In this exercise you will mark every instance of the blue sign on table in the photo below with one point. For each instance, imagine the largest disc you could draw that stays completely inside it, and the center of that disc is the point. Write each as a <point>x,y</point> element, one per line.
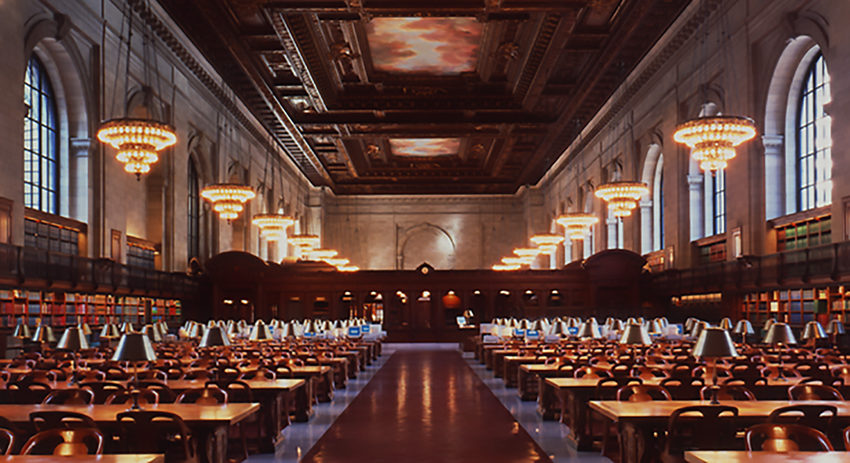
<point>353,331</point>
<point>532,334</point>
<point>365,329</point>
<point>573,331</point>
<point>309,335</point>
<point>518,332</point>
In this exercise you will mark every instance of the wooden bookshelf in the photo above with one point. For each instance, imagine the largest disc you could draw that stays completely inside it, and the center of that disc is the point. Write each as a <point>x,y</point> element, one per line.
<point>61,309</point>
<point>796,306</point>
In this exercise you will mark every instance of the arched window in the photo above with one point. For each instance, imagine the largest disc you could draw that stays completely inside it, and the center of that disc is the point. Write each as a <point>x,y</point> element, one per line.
<point>40,141</point>
<point>814,140</point>
<point>658,209</point>
<point>718,201</point>
<point>194,213</point>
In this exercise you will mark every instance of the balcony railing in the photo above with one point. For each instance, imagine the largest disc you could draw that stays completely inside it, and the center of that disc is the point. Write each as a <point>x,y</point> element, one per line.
<point>822,264</point>
<point>24,264</point>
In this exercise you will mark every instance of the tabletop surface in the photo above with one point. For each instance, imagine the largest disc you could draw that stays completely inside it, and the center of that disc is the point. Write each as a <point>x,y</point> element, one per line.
<point>231,413</point>
<point>83,459</point>
<point>182,384</point>
<point>765,457</point>
<point>591,382</point>
<point>664,408</point>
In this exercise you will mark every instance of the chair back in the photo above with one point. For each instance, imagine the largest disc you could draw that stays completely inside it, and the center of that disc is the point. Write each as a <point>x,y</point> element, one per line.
<point>747,381</point>
<point>786,437</point>
<point>7,441</point>
<point>165,393</point>
<point>814,392</point>
<point>65,442</point>
<point>52,419</point>
<point>148,431</point>
<point>69,397</point>
<point>708,430</point>
<point>208,395</point>
<point>606,388</point>
<point>146,397</point>
<point>238,391</point>
<point>642,393</point>
<point>102,389</point>
<point>816,416</point>
<point>258,373</point>
<point>27,391</point>
<point>157,375</point>
<point>591,372</point>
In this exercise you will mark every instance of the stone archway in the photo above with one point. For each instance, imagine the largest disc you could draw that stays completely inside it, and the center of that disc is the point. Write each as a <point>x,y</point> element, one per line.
<point>426,243</point>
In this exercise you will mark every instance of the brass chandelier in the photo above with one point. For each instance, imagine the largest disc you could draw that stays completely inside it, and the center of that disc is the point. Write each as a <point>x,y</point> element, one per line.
<point>577,224</point>
<point>547,243</point>
<point>621,196</point>
<point>228,198</point>
<point>713,139</point>
<point>272,226</point>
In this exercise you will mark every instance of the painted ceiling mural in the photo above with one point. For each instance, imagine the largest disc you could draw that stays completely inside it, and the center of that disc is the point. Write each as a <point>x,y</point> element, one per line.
<point>446,45</point>
<point>424,147</point>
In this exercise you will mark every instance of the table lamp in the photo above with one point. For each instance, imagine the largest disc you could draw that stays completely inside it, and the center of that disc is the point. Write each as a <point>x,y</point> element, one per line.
<point>43,333</point>
<point>617,325</point>
<point>152,333</point>
<point>726,323</point>
<point>214,337</point>
<point>813,331</point>
<point>834,328</point>
<point>85,327</point>
<point>589,330</point>
<point>127,328</point>
<point>714,343</point>
<point>196,330</point>
<point>767,324</point>
<point>744,328</point>
<point>260,332</point>
<point>73,340</point>
<point>654,327</point>
<point>697,328</point>
<point>635,334</point>
<point>134,347</point>
<point>780,335</point>
<point>22,330</point>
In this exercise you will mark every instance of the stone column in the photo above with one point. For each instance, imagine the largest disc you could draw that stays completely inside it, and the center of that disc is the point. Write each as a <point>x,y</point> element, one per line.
<point>695,199</point>
<point>568,249</point>
<point>612,222</point>
<point>774,185</point>
<point>646,226</point>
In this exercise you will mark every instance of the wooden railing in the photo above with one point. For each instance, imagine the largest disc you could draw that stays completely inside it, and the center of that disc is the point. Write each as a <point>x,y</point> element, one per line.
<point>24,266</point>
<point>822,264</point>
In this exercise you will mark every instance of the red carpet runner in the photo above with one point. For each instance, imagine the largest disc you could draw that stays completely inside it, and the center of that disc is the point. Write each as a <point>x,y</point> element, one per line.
<point>426,406</point>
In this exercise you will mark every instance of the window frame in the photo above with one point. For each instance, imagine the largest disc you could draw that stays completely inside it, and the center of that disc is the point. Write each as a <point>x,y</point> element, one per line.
<point>41,193</point>
<point>193,212</point>
<point>808,152</point>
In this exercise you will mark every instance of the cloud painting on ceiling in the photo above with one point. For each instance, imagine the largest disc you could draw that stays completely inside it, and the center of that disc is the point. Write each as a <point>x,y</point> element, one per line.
<point>445,46</point>
<point>424,147</point>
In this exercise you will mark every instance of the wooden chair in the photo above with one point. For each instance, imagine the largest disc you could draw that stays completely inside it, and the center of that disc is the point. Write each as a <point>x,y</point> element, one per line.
<point>621,370</point>
<point>846,435</point>
<point>591,372</point>
<point>209,395</point>
<point>166,395</point>
<point>198,374</point>
<point>708,430</point>
<point>645,372</point>
<point>27,391</point>
<point>812,415</point>
<point>726,392</point>
<point>115,373</point>
<point>240,392</point>
<point>156,375</point>
<point>102,389</point>
<point>65,442</point>
<point>7,441</point>
<point>53,419</point>
<point>157,432</point>
<point>642,393</point>
<point>826,380</point>
<point>814,392</point>
<point>90,375</point>
<point>69,397</point>
<point>776,437</point>
<point>172,372</point>
<point>146,397</point>
<point>749,382</point>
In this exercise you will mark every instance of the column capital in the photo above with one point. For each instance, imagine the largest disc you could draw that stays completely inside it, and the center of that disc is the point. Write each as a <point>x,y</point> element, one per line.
<point>773,141</point>
<point>695,181</point>
<point>645,204</point>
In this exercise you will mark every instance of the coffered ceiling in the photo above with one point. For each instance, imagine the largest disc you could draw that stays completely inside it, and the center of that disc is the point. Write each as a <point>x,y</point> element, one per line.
<point>424,96</point>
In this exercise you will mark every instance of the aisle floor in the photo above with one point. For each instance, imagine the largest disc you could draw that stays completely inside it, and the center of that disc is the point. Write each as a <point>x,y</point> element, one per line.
<point>422,403</point>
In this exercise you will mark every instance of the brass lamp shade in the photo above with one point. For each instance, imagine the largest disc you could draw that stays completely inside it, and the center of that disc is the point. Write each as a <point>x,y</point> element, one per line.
<point>85,327</point>
<point>617,325</point>
<point>43,333</point>
<point>654,327</point>
<point>260,332</point>
<point>109,331</point>
<point>689,323</point>
<point>697,328</point>
<point>767,324</point>
<point>635,333</point>
<point>134,347</point>
<point>557,328</point>
<point>73,339</point>
<point>196,330</point>
<point>152,333</point>
<point>215,336</point>
<point>714,342</point>
<point>726,323</point>
<point>589,330</point>
<point>814,330</point>
<point>22,331</point>
<point>835,326</point>
<point>574,322</point>
<point>127,328</point>
<point>780,333</point>
<point>744,327</point>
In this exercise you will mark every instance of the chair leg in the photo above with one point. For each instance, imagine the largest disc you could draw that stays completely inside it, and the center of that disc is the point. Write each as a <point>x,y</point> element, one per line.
<point>244,441</point>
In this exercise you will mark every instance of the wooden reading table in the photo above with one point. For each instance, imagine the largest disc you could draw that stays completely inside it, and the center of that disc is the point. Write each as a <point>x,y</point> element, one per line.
<point>106,458</point>
<point>737,456</point>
